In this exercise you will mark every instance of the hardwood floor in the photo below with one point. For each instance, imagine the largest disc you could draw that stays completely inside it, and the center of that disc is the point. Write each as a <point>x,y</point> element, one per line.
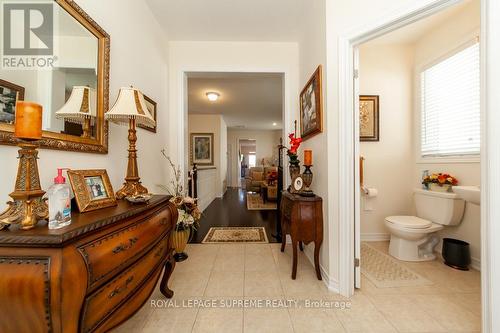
<point>231,211</point>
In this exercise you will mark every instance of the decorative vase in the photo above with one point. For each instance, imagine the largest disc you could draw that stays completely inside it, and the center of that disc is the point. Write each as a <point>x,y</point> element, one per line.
<point>440,188</point>
<point>179,241</point>
<point>294,168</point>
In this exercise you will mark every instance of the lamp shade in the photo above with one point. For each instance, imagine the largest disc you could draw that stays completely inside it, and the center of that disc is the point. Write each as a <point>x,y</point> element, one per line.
<point>130,104</point>
<point>80,105</point>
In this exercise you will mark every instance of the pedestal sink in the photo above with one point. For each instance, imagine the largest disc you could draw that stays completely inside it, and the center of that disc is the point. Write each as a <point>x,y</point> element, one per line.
<point>470,194</point>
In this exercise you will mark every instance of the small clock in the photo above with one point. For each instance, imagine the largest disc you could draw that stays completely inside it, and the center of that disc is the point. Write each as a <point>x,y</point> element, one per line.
<point>297,184</point>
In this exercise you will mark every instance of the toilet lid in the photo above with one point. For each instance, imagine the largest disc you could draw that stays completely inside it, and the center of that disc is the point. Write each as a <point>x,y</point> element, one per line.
<point>411,222</point>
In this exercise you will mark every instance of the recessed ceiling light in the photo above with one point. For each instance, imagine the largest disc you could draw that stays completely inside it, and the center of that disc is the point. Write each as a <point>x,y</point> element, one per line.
<point>274,124</point>
<point>212,96</point>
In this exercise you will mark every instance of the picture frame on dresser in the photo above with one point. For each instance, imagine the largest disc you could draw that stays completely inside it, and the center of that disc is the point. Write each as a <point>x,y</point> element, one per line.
<point>92,189</point>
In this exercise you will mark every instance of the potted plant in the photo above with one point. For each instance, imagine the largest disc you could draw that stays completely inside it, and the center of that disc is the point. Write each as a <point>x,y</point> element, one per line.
<point>441,182</point>
<point>187,207</point>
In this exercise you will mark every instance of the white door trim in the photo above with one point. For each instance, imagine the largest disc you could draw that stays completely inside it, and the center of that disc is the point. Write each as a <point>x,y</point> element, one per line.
<point>348,143</point>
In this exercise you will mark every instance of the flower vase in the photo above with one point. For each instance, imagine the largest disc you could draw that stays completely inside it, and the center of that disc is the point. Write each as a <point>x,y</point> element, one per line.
<point>294,168</point>
<point>440,188</point>
<point>180,239</point>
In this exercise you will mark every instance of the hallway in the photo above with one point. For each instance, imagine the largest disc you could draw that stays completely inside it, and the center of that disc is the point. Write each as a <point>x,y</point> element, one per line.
<point>231,211</point>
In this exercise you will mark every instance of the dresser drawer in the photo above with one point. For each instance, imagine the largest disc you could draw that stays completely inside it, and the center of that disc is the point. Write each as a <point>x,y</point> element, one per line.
<point>99,305</point>
<point>107,255</point>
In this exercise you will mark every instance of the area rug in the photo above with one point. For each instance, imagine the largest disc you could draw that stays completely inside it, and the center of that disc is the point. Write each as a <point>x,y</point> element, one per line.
<point>236,235</point>
<point>255,202</point>
<point>385,271</point>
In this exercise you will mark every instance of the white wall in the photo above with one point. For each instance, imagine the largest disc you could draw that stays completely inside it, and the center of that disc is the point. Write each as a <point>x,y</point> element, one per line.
<point>266,141</point>
<point>459,29</point>
<point>128,66</point>
<point>211,123</point>
<point>387,71</point>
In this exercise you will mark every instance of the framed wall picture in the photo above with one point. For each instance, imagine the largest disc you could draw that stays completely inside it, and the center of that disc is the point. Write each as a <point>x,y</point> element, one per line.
<point>151,105</point>
<point>92,189</point>
<point>202,149</point>
<point>311,106</point>
<point>369,118</point>
<point>10,93</point>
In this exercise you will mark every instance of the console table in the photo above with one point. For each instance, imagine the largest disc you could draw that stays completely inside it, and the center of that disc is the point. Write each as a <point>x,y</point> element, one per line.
<point>89,276</point>
<point>302,218</point>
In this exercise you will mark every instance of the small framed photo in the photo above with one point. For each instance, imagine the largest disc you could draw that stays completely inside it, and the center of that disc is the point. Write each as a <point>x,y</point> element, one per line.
<point>151,105</point>
<point>369,118</point>
<point>202,149</point>
<point>92,189</point>
<point>10,93</point>
<point>311,106</point>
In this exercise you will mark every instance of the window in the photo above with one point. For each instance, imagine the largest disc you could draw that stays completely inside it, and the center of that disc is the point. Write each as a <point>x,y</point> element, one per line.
<point>252,160</point>
<point>450,105</point>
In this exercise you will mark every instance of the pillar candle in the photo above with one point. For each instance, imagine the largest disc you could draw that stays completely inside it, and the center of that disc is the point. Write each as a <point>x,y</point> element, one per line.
<point>308,157</point>
<point>28,123</point>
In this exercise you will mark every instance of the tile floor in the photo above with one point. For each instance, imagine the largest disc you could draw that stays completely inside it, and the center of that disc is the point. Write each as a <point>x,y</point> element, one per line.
<point>259,274</point>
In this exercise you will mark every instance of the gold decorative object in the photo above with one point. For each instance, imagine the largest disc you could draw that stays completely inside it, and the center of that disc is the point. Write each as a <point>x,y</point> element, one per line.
<point>131,107</point>
<point>27,207</point>
<point>92,189</point>
<point>180,239</point>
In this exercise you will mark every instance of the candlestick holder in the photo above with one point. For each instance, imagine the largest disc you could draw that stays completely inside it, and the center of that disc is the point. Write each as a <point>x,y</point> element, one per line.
<point>307,176</point>
<point>27,207</point>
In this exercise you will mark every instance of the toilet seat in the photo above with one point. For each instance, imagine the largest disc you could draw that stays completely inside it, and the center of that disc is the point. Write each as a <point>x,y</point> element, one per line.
<point>410,222</point>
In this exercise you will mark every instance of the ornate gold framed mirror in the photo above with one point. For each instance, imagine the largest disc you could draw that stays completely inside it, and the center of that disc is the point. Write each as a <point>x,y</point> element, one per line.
<point>72,84</point>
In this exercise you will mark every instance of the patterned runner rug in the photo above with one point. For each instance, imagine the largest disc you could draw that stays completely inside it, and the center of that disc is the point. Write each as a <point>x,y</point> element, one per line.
<point>385,271</point>
<point>255,202</point>
<point>236,235</point>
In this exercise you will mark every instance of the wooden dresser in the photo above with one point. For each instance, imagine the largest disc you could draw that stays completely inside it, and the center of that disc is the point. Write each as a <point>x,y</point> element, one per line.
<point>302,218</point>
<point>89,276</point>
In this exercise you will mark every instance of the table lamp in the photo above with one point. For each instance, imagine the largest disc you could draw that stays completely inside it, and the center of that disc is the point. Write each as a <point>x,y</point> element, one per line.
<point>130,107</point>
<point>80,108</point>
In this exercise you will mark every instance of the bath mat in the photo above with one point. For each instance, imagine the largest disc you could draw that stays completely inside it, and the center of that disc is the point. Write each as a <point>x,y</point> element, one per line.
<point>255,202</point>
<point>385,271</point>
<point>217,235</point>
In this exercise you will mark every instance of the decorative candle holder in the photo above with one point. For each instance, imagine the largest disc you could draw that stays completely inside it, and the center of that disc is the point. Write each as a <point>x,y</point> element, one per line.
<point>27,207</point>
<point>307,176</point>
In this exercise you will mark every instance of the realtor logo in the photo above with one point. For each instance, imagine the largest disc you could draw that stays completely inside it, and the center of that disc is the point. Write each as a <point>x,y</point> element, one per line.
<point>28,29</point>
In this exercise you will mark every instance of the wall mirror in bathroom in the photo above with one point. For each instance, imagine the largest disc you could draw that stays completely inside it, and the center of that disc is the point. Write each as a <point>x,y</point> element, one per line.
<point>63,65</point>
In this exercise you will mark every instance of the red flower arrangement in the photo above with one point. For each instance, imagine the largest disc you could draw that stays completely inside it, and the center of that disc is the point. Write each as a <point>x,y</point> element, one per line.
<point>440,179</point>
<point>294,147</point>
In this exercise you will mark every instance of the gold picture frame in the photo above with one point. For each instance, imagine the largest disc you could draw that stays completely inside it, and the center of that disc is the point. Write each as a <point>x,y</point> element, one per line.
<point>152,108</point>
<point>92,189</point>
<point>369,122</point>
<point>311,106</point>
<point>202,149</point>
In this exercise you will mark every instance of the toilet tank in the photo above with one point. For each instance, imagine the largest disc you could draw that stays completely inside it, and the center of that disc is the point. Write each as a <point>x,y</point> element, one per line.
<point>439,207</point>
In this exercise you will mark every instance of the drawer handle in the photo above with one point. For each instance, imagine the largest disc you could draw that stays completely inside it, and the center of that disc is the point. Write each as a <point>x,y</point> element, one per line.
<point>123,247</point>
<point>164,221</point>
<point>159,252</point>
<point>120,289</point>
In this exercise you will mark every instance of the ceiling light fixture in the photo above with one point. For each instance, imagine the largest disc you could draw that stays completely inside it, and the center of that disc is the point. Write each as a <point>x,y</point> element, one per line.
<point>213,96</point>
<point>274,124</point>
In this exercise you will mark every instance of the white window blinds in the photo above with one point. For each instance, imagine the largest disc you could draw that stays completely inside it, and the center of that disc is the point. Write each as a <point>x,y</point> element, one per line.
<point>450,105</point>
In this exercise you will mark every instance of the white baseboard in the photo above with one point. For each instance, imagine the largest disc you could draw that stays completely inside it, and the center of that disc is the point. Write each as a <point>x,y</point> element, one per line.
<point>330,283</point>
<point>375,237</point>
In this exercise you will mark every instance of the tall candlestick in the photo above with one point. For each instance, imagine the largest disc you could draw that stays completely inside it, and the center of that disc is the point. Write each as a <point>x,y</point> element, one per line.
<point>307,157</point>
<point>28,124</point>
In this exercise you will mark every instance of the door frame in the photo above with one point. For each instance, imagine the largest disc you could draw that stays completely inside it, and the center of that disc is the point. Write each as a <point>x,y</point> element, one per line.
<point>490,157</point>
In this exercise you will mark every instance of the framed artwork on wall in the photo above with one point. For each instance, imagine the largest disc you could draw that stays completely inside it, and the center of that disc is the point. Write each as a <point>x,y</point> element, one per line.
<point>151,105</point>
<point>369,118</point>
<point>92,189</point>
<point>311,106</point>
<point>10,93</point>
<point>202,149</point>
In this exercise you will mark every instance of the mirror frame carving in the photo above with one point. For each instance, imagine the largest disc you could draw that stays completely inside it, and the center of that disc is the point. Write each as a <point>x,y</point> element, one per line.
<point>61,141</point>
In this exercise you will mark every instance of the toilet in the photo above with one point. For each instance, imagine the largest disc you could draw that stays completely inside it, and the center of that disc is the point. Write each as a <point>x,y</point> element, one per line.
<point>413,238</point>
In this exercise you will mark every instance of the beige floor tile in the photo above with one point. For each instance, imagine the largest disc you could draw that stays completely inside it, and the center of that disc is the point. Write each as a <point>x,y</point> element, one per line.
<point>470,301</point>
<point>257,262</point>
<point>262,283</point>
<point>178,320</point>
<point>448,313</point>
<point>267,320</point>
<point>305,285</point>
<point>189,283</point>
<point>231,248</point>
<point>405,315</point>
<point>229,262</point>
<point>219,320</point>
<point>259,249</point>
<point>315,320</point>
<point>222,283</point>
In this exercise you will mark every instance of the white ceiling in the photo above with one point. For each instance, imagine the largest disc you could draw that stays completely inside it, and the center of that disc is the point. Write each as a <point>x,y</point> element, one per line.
<point>229,20</point>
<point>247,100</point>
<point>413,32</point>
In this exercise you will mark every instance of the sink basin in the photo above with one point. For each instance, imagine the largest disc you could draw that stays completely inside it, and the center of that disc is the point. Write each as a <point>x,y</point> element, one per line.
<point>471,194</point>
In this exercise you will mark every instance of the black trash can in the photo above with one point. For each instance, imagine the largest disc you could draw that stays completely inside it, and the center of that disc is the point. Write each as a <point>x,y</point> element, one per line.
<point>456,253</point>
